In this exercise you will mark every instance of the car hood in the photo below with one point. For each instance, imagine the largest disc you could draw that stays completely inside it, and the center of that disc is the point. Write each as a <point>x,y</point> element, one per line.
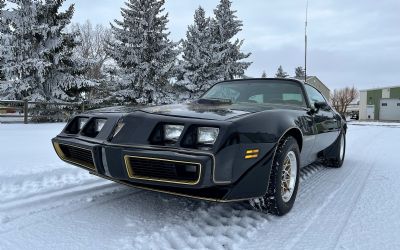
<point>204,111</point>
<point>193,110</point>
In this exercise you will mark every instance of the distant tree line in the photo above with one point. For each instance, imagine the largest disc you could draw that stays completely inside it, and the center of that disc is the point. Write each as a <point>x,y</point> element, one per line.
<point>132,62</point>
<point>281,73</point>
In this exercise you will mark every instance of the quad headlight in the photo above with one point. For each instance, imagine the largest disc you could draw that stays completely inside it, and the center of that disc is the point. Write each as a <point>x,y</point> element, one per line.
<point>82,122</point>
<point>99,124</point>
<point>173,132</point>
<point>207,135</point>
<point>118,128</point>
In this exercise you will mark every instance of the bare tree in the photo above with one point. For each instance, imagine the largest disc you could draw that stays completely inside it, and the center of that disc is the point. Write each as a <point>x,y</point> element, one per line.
<point>93,42</point>
<point>341,98</point>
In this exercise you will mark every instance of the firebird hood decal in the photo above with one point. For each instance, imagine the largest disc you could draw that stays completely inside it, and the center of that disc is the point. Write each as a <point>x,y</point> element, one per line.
<point>194,110</point>
<point>201,111</point>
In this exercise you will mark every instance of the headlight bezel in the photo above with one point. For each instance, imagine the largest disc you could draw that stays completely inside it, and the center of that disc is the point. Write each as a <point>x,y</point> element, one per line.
<point>76,124</point>
<point>168,131</point>
<point>99,124</point>
<point>82,121</point>
<point>92,128</point>
<point>202,132</point>
<point>188,136</point>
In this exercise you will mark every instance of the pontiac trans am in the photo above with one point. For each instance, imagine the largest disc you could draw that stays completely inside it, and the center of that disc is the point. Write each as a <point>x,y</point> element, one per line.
<point>242,140</point>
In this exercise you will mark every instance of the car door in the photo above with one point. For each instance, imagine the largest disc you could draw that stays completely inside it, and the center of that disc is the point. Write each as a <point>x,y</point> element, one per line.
<point>326,123</point>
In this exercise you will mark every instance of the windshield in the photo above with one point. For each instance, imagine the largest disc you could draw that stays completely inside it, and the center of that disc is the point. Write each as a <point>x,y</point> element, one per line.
<point>258,91</point>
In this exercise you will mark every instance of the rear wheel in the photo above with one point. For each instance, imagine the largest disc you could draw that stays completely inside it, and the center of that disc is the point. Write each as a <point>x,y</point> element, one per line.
<point>284,180</point>
<point>335,154</point>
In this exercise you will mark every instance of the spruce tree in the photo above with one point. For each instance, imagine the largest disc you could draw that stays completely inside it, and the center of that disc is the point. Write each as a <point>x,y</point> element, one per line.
<point>144,52</point>
<point>3,29</point>
<point>197,70</point>
<point>38,62</point>
<point>264,74</point>
<point>281,73</point>
<point>2,6</point>
<point>299,72</point>
<point>225,26</point>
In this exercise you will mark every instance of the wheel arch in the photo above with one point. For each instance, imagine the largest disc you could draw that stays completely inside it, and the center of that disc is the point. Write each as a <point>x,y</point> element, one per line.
<point>296,134</point>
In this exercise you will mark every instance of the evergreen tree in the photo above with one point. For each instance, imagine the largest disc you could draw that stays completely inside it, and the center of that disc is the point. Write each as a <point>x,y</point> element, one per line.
<point>38,62</point>
<point>144,52</point>
<point>2,6</point>
<point>198,71</point>
<point>281,73</point>
<point>225,26</point>
<point>264,74</point>
<point>299,72</point>
<point>93,41</point>
<point>3,29</point>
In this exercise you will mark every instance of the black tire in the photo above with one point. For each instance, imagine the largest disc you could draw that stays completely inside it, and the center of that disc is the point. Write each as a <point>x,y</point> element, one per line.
<point>333,156</point>
<point>273,201</point>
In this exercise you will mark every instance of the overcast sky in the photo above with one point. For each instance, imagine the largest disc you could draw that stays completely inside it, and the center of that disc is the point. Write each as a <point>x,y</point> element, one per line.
<point>350,42</point>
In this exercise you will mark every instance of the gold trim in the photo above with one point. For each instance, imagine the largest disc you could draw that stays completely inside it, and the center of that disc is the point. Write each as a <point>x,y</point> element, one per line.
<point>169,192</point>
<point>132,175</point>
<point>62,156</point>
<point>176,150</point>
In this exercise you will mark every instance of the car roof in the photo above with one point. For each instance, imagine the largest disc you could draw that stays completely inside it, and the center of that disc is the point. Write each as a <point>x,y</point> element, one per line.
<point>263,79</point>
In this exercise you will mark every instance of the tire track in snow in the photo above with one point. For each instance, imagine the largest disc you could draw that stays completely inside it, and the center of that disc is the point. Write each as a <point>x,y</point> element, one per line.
<point>53,196</point>
<point>323,203</point>
<point>55,202</point>
<point>315,216</point>
<point>213,226</point>
<point>26,195</point>
<point>24,186</point>
<point>343,199</point>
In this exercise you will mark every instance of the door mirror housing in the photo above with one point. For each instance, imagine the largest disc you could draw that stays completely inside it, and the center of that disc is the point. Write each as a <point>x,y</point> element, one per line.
<point>322,106</point>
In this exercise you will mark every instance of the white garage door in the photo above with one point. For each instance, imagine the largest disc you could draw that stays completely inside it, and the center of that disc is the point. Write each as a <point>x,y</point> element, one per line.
<point>389,110</point>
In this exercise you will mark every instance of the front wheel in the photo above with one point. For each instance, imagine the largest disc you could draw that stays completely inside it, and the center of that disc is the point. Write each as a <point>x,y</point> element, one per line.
<point>284,180</point>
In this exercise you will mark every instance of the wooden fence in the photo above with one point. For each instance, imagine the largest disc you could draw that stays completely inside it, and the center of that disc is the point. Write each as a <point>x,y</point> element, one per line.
<point>26,111</point>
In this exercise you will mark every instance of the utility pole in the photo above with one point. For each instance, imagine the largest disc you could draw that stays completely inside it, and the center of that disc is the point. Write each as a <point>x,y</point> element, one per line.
<point>305,44</point>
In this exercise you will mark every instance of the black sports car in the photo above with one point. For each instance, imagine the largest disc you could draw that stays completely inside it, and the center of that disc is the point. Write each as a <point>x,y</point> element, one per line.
<point>242,140</point>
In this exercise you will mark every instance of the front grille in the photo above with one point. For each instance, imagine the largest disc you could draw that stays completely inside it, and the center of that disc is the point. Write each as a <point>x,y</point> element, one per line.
<point>77,155</point>
<point>163,170</point>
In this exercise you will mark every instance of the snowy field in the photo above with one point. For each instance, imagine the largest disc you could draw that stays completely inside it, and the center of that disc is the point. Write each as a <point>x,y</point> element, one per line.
<point>47,204</point>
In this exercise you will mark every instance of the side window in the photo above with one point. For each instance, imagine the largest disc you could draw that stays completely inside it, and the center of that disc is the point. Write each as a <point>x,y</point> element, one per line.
<point>257,98</point>
<point>224,92</point>
<point>292,97</point>
<point>314,95</point>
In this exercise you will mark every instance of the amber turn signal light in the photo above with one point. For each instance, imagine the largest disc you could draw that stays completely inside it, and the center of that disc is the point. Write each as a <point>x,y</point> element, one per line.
<point>251,153</point>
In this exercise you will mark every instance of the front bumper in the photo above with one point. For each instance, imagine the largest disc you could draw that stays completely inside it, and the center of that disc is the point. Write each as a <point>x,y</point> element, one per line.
<point>216,180</point>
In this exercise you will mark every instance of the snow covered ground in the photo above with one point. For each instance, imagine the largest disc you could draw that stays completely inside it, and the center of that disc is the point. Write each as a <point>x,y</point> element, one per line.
<point>47,204</point>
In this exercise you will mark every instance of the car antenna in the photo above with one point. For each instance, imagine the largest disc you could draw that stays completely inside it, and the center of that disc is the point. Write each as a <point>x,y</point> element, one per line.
<point>305,45</point>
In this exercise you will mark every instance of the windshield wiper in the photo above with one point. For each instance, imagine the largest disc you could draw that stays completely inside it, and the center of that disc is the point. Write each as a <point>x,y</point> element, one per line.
<point>214,101</point>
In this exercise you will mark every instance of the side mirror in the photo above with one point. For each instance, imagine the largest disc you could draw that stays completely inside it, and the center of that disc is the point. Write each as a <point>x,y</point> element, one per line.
<point>321,105</point>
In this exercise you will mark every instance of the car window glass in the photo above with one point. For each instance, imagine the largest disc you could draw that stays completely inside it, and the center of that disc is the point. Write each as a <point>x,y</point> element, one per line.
<point>223,92</point>
<point>292,97</point>
<point>257,98</point>
<point>314,95</point>
<point>261,92</point>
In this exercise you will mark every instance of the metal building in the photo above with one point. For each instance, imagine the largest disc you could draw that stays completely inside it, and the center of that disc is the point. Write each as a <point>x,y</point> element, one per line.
<point>380,104</point>
<point>318,84</point>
